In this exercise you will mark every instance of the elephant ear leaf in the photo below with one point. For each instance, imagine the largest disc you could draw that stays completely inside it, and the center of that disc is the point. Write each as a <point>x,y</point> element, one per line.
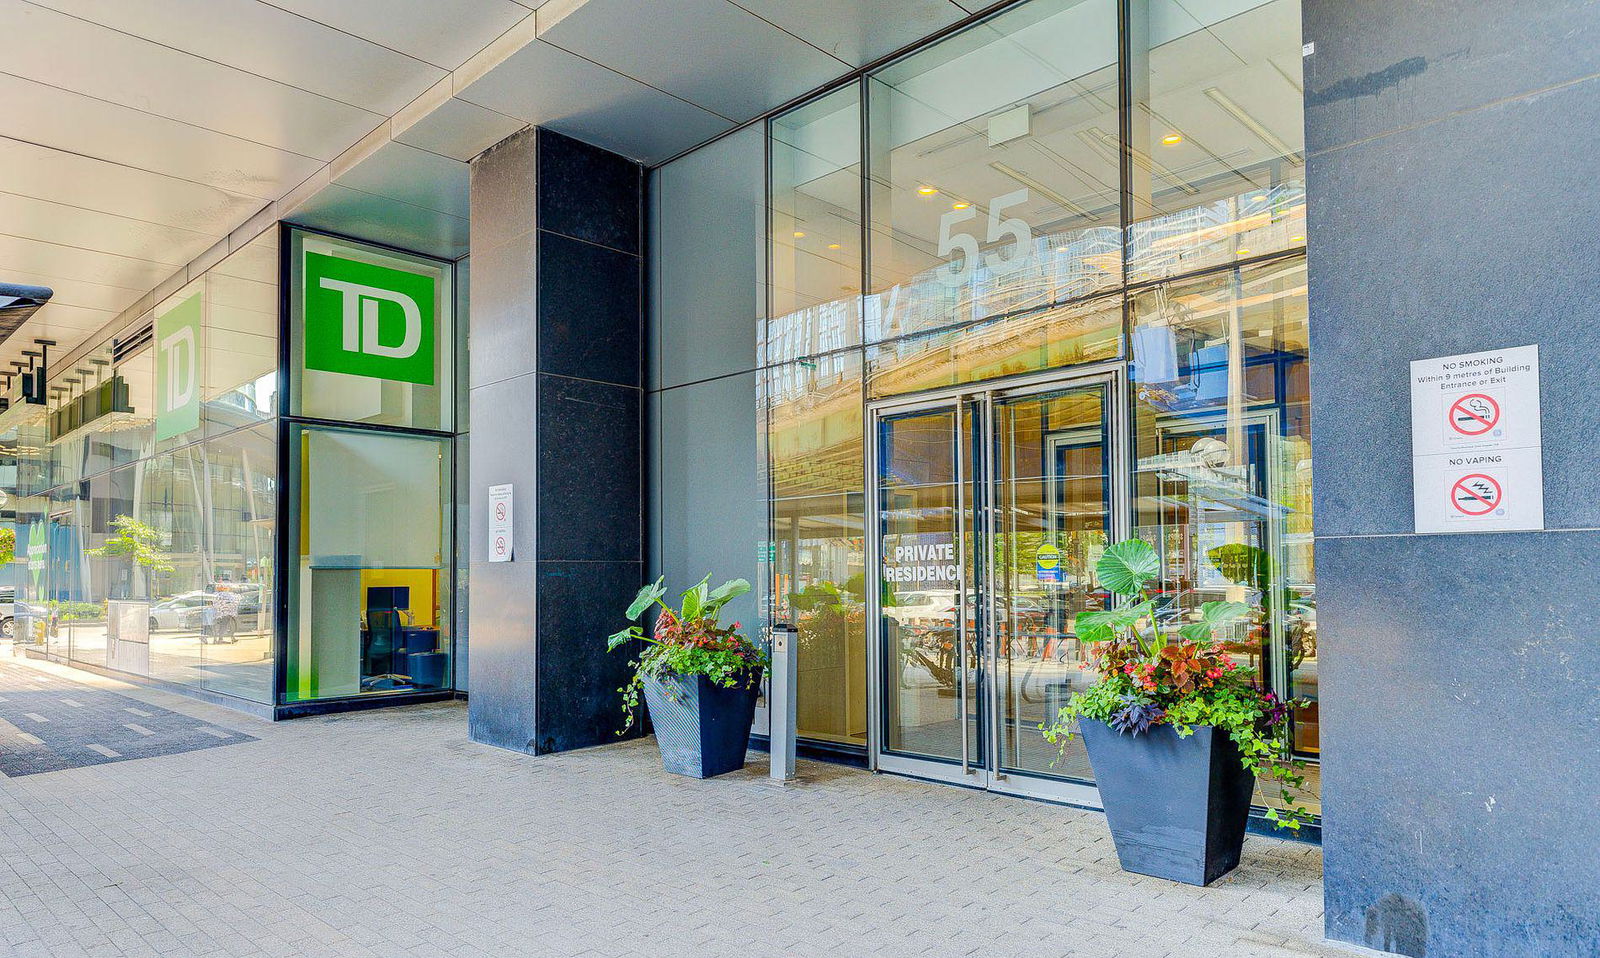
<point>618,638</point>
<point>723,594</point>
<point>1126,567</point>
<point>1213,616</point>
<point>694,599</point>
<point>1094,626</point>
<point>647,597</point>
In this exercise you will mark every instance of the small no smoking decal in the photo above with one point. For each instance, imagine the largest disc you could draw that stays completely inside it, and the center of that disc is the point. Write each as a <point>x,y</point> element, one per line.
<point>1474,414</point>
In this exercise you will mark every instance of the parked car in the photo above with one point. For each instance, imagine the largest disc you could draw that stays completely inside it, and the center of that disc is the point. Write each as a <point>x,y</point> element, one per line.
<point>178,612</point>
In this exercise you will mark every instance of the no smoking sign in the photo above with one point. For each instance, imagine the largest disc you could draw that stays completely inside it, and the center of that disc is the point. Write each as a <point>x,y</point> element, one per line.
<point>1474,414</point>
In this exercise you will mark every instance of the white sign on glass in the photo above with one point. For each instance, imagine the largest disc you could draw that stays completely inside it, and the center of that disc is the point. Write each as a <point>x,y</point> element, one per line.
<point>501,546</point>
<point>1476,448</point>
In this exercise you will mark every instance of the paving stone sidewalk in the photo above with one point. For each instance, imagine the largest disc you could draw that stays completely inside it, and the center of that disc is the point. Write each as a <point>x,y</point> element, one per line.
<point>390,834</point>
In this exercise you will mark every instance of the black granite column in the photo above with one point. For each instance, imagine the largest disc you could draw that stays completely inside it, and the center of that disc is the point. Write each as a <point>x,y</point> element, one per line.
<point>556,398</point>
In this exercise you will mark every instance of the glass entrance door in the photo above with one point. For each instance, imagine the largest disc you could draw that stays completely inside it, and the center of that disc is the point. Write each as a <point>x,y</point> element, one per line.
<point>991,509</point>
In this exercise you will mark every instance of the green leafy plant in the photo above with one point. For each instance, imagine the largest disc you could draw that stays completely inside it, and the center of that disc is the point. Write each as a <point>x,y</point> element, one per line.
<point>688,641</point>
<point>135,540</point>
<point>1149,676</point>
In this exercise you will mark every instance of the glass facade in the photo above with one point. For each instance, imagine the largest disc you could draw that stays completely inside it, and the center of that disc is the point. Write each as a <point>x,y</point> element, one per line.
<point>144,497</point>
<point>370,476</point>
<point>146,490</point>
<point>1105,190</point>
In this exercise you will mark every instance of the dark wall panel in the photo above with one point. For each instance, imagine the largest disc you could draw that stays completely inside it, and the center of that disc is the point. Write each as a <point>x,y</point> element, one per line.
<point>1451,210</point>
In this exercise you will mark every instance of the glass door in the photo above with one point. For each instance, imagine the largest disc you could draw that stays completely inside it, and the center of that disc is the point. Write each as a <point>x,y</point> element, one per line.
<point>991,510</point>
<point>928,621</point>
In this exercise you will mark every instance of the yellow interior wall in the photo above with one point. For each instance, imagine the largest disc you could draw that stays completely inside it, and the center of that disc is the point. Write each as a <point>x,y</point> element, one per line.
<point>423,586</point>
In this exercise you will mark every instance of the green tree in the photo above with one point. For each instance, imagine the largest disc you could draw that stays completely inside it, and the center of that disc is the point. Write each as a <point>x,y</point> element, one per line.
<point>135,540</point>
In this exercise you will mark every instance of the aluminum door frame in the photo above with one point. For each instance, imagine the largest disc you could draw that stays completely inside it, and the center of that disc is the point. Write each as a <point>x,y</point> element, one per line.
<point>1119,427</point>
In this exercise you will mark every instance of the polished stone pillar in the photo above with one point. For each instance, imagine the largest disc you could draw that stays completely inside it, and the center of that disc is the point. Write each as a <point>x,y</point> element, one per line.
<point>556,334</point>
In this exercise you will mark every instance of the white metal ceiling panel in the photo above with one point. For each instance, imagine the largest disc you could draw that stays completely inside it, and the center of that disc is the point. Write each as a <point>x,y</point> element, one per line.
<point>79,124</point>
<point>460,130</point>
<point>34,256</point>
<point>77,55</point>
<point>343,210</point>
<point>858,32</point>
<point>442,32</point>
<point>413,176</point>
<point>713,54</point>
<point>30,218</point>
<point>548,86</point>
<point>46,174</point>
<point>77,292</point>
<point>270,42</point>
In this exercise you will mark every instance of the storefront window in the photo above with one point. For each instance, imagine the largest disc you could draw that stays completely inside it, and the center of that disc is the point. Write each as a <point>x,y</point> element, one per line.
<point>371,334</point>
<point>816,229</point>
<point>147,490</point>
<point>1223,443</point>
<point>819,568</point>
<point>1217,154</point>
<point>994,170</point>
<point>370,598</point>
<point>1046,338</point>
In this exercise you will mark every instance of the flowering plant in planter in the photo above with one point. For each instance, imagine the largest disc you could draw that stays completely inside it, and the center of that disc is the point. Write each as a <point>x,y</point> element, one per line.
<point>688,641</point>
<point>1149,677</point>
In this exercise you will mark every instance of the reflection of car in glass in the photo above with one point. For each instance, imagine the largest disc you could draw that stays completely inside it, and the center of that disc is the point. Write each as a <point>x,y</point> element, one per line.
<point>177,612</point>
<point>8,612</point>
<point>923,608</point>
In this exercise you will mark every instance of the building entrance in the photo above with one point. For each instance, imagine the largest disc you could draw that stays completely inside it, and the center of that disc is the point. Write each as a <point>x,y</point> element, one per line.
<point>988,509</point>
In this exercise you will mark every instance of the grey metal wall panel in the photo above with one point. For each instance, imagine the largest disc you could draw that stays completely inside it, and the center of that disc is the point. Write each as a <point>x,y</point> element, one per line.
<point>708,293</point>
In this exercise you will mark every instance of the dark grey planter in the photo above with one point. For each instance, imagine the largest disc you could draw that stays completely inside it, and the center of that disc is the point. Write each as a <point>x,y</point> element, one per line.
<point>1177,807</point>
<point>701,728</point>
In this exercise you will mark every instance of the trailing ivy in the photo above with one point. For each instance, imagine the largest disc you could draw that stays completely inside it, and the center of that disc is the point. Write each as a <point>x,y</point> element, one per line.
<point>688,641</point>
<point>1148,677</point>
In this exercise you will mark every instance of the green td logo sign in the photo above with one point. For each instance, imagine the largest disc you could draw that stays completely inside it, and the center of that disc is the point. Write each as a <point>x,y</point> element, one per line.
<point>366,320</point>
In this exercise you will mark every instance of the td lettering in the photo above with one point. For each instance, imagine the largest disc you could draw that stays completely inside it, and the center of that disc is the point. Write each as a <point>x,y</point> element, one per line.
<point>360,313</point>
<point>179,356</point>
<point>363,319</point>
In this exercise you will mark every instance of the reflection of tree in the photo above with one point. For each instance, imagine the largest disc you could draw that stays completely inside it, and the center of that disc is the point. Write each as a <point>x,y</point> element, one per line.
<point>135,540</point>
<point>8,545</point>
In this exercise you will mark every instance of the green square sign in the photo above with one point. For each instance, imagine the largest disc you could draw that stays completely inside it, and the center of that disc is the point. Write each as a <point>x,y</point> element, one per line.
<point>367,320</point>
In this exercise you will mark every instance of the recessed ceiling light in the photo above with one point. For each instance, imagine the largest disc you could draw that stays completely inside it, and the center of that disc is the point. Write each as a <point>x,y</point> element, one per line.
<point>1297,239</point>
<point>959,206</point>
<point>834,246</point>
<point>799,235</point>
<point>1172,139</point>
<point>1244,252</point>
<point>1264,333</point>
<point>1063,249</point>
<point>927,190</point>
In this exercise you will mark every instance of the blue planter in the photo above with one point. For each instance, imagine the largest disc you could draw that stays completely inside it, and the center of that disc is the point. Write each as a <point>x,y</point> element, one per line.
<point>701,728</point>
<point>1177,807</point>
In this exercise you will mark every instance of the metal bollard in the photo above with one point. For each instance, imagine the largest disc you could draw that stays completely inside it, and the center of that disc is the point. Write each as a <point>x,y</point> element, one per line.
<point>781,707</point>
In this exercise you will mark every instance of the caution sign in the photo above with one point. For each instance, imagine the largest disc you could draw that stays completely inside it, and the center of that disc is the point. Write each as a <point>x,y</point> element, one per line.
<point>1047,563</point>
<point>1474,414</point>
<point>1477,494</point>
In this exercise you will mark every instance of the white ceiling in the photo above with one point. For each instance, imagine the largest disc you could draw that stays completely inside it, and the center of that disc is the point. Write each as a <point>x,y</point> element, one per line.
<point>136,135</point>
<point>140,140</point>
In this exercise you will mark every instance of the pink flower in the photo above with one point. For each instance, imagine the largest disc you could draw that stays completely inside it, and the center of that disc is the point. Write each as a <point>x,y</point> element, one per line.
<point>1215,673</point>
